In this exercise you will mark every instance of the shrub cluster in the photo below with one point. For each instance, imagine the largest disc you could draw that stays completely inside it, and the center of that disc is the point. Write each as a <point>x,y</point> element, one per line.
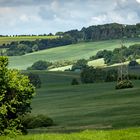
<point>124,84</point>
<point>74,82</point>
<point>134,77</point>
<point>34,79</point>
<point>79,65</point>
<point>31,122</point>
<point>112,57</point>
<point>40,65</point>
<point>91,75</point>
<point>23,47</point>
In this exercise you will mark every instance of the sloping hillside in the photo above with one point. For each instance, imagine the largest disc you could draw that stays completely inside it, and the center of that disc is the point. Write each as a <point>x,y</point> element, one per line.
<point>70,52</point>
<point>86,106</point>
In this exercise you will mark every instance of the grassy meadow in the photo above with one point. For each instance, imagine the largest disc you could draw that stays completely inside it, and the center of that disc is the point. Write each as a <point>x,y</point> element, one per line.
<point>69,52</point>
<point>123,134</point>
<point>89,106</point>
<point>87,111</point>
<point>6,40</point>
<point>84,112</point>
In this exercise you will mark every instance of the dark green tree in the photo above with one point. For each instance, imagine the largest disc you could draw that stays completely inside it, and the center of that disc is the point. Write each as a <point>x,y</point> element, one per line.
<point>80,64</point>
<point>74,82</point>
<point>16,93</point>
<point>91,75</point>
<point>40,65</point>
<point>133,63</point>
<point>34,79</point>
<point>111,75</point>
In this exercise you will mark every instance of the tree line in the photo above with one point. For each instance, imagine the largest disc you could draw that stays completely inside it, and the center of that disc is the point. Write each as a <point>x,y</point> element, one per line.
<point>23,47</point>
<point>92,33</point>
<point>119,55</point>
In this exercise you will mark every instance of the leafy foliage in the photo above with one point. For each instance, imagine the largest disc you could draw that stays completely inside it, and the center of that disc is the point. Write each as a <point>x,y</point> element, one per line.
<point>91,75</point>
<point>23,47</point>
<point>40,65</point>
<point>80,64</point>
<point>133,63</point>
<point>34,79</point>
<point>111,75</point>
<point>124,84</point>
<point>31,122</point>
<point>111,57</point>
<point>16,93</point>
<point>74,82</point>
<point>92,33</point>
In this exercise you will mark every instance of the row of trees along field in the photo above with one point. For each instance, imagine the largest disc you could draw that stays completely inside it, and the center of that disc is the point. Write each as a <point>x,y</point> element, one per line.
<point>112,57</point>
<point>92,33</point>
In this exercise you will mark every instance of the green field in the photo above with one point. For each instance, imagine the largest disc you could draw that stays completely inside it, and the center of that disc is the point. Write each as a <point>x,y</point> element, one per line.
<point>124,134</point>
<point>84,112</point>
<point>6,40</point>
<point>89,106</point>
<point>69,52</point>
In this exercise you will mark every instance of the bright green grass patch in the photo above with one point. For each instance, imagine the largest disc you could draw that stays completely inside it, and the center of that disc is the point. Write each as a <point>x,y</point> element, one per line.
<point>69,52</point>
<point>6,40</point>
<point>124,134</point>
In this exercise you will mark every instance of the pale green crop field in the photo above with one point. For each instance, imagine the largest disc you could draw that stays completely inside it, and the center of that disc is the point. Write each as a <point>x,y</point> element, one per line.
<point>69,52</point>
<point>6,40</point>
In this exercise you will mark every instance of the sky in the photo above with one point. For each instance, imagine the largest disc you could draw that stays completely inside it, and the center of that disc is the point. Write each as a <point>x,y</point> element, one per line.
<point>51,16</point>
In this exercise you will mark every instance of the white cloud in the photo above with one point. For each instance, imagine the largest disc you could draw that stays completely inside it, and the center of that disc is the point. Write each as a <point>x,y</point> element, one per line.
<point>44,16</point>
<point>138,1</point>
<point>24,18</point>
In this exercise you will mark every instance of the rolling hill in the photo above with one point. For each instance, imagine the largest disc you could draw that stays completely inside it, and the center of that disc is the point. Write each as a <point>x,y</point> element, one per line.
<point>69,52</point>
<point>88,106</point>
<point>6,40</point>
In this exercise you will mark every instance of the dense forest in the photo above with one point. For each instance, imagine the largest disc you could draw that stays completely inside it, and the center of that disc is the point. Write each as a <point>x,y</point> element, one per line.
<point>92,33</point>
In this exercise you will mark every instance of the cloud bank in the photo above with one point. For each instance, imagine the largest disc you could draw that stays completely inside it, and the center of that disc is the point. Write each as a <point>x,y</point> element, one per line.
<point>45,16</point>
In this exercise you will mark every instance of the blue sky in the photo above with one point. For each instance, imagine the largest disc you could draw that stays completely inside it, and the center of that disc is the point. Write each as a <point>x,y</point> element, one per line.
<point>45,16</point>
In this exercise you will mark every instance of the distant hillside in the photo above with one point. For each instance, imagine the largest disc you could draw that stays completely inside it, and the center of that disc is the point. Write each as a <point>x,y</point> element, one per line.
<point>7,39</point>
<point>69,52</point>
<point>24,45</point>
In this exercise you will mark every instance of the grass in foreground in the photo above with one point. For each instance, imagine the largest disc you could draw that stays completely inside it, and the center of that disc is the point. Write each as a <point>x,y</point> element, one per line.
<point>126,134</point>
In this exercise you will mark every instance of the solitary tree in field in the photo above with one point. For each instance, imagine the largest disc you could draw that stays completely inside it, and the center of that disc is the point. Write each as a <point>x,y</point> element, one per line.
<point>16,93</point>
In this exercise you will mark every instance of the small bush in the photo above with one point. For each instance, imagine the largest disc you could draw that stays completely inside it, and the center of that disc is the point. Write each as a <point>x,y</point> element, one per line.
<point>124,84</point>
<point>74,82</point>
<point>40,65</point>
<point>80,64</point>
<point>133,77</point>
<point>133,63</point>
<point>31,122</point>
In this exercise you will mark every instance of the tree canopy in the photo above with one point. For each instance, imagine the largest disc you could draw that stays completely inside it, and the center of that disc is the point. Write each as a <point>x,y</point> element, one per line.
<point>40,65</point>
<point>16,93</point>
